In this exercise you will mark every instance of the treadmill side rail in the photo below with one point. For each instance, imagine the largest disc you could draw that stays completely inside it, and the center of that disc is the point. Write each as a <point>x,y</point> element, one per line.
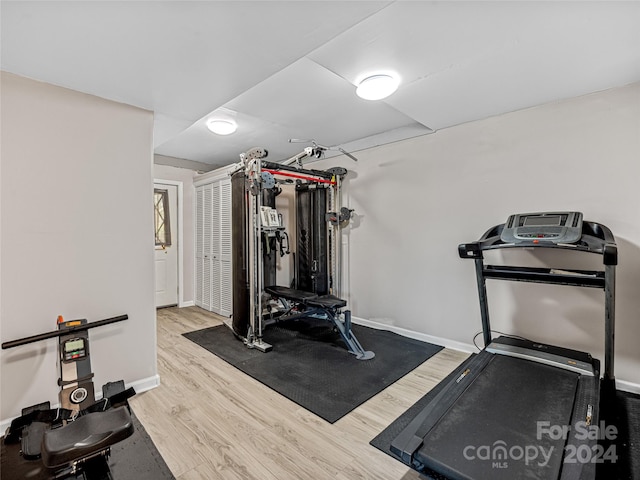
<point>411,438</point>
<point>585,413</point>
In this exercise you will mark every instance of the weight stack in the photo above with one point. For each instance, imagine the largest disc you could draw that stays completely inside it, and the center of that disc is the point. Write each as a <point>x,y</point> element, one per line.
<point>239,254</point>
<point>311,237</point>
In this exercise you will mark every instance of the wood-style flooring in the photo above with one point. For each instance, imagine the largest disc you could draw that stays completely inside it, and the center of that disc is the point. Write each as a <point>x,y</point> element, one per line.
<point>211,421</point>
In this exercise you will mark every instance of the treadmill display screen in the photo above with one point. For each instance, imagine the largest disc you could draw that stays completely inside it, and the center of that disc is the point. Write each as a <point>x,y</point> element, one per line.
<point>542,221</point>
<point>548,227</point>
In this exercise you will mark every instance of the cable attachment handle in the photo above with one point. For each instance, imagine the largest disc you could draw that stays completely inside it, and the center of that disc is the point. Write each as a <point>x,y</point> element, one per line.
<point>339,219</point>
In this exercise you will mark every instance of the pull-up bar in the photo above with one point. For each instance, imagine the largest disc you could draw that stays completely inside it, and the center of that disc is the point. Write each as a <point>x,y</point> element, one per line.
<point>297,175</point>
<point>280,167</point>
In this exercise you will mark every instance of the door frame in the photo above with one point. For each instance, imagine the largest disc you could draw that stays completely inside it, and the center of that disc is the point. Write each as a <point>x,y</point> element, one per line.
<point>179,213</point>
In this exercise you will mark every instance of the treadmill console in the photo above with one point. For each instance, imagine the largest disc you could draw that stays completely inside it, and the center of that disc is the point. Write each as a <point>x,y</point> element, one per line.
<point>547,227</point>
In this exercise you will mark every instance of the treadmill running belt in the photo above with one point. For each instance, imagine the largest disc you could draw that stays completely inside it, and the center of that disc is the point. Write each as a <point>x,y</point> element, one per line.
<point>491,432</point>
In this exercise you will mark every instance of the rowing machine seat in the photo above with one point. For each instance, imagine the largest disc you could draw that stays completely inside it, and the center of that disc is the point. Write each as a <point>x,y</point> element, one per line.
<point>86,436</point>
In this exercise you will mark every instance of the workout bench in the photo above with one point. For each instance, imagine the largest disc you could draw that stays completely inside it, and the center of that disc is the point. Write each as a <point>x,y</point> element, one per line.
<point>320,306</point>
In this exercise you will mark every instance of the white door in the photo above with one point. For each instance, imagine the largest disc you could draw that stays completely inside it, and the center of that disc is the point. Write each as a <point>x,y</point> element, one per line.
<point>166,244</point>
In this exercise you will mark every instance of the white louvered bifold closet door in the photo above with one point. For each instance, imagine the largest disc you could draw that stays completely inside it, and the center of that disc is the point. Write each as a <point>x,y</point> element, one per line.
<point>199,244</point>
<point>213,247</point>
<point>226,279</point>
<point>206,242</point>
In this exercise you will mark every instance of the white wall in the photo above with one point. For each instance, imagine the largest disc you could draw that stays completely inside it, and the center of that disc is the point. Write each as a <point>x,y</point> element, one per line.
<point>416,200</point>
<point>77,235</point>
<point>184,175</point>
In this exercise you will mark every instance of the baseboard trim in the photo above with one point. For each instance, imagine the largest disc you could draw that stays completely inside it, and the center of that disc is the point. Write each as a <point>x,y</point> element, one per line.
<point>443,342</point>
<point>145,384</point>
<point>460,346</point>
<point>190,303</point>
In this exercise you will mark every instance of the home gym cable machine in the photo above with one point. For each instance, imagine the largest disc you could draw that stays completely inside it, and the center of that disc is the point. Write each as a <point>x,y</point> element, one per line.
<point>256,230</point>
<point>519,408</point>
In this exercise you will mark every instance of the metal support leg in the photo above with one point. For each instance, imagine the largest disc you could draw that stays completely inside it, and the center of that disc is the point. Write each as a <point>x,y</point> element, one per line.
<point>484,307</point>
<point>347,321</point>
<point>349,338</point>
<point>609,321</point>
<point>254,340</point>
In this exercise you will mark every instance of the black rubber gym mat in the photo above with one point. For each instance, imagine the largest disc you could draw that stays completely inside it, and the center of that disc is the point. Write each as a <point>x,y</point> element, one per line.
<point>626,444</point>
<point>135,458</point>
<point>626,420</point>
<point>310,365</point>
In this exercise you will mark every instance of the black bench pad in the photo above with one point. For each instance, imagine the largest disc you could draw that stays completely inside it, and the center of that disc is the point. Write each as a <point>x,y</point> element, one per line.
<point>85,436</point>
<point>306,298</point>
<point>290,293</point>
<point>327,301</point>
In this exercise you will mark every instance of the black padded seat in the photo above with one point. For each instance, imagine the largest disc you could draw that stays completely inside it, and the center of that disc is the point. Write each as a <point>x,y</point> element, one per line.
<point>290,293</point>
<point>327,301</point>
<point>320,306</point>
<point>85,436</point>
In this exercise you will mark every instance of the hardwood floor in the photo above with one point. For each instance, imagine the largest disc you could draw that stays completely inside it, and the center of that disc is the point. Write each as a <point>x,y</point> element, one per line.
<point>211,421</point>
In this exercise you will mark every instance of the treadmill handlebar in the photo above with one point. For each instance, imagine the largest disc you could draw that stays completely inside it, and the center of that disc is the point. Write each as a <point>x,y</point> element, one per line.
<point>63,331</point>
<point>610,254</point>
<point>470,250</point>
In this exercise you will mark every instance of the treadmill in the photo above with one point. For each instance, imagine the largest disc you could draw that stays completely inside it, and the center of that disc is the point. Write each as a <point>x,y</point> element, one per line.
<point>521,409</point>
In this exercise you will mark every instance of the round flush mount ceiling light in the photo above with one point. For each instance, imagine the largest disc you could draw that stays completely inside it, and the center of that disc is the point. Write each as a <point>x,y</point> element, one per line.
<point>377,87</point>
<point>221,127</point>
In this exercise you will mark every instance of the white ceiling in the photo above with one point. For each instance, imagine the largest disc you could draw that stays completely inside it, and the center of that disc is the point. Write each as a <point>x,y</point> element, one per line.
<point>286,70</point>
